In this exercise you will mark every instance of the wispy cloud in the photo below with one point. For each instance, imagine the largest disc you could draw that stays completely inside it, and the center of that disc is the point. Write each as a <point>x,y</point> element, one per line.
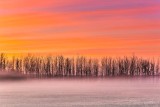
<point>67,25</point>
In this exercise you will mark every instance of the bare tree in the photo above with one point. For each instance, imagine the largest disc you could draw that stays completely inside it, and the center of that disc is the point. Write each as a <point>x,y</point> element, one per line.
<point>3,61</point>
<point>60,66</point>
<point>95,67</point>
<point>81,66</point>
<point>68,67</point>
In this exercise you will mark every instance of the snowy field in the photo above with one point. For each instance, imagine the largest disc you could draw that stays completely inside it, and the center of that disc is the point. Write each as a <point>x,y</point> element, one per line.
<point>132,92</point>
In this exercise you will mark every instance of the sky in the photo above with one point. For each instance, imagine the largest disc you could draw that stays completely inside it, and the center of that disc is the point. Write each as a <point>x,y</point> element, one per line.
<point>81,27</point>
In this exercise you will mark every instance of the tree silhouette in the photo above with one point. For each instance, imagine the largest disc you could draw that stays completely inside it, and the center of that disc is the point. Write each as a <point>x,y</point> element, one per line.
<point>80,66</point>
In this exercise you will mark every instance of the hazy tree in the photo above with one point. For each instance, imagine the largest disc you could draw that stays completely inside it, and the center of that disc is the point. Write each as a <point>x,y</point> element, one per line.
<point>132,66</point>
<point>68,67</point>
<point>138,67</point>
<point>95,67</point>
<point>157,68</point>
<point>3,61</point>
<point>26,65</point>
<point>55,63</point>
<point>103,66</point>
<point>126,65</point>
<point>79,66</point>
<point>113,67</point>
<point>47,66</point>
<point>60,66</point>
<point>88,67</point>
<point>18,65</point>
<point>152,68</point>
<point>120,67</point>
<point>73,67</point>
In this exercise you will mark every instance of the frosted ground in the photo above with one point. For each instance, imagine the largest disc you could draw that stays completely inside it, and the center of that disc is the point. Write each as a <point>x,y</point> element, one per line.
<point>115,92</point>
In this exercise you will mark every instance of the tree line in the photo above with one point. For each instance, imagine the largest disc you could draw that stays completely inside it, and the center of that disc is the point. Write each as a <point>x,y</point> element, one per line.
<point>80,66</point>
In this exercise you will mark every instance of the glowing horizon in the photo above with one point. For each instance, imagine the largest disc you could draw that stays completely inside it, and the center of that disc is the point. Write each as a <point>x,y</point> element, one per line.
<point>76,27</point>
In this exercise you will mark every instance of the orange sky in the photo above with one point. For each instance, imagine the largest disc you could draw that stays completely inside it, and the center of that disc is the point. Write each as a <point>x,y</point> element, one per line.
<point>81,27</point>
